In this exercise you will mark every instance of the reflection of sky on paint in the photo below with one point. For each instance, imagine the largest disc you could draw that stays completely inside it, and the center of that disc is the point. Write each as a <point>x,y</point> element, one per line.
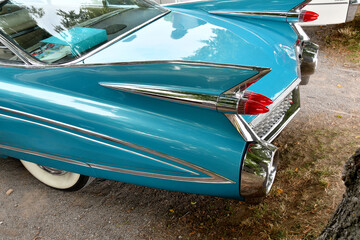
<point>161,41</point>
<point>165,44</point>
<point>81,104</point>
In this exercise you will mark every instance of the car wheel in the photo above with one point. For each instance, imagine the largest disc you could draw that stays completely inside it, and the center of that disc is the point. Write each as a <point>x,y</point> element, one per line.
<point>56,178</point>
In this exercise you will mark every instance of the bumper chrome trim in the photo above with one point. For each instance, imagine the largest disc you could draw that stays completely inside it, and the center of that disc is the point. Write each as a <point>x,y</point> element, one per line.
<point>242,127</point>
<point>261,159</point>
<point>309,59</point>
<point>290,114</point>
<point>259,170</point>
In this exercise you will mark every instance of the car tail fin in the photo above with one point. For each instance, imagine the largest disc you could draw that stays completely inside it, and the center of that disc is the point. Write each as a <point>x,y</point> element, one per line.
<point>276,10</point>
<point>236,100</point>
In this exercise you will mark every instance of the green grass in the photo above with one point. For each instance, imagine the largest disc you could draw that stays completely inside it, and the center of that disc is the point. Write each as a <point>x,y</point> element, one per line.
<point>346,39</point>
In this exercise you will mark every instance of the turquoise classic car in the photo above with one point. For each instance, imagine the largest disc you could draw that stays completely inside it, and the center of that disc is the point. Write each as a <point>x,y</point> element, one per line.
<point>186,98</point>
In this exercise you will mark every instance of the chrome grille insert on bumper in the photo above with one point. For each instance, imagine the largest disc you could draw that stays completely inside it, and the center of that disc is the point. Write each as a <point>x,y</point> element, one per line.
<point>273,122</point>
<point>274,118</point>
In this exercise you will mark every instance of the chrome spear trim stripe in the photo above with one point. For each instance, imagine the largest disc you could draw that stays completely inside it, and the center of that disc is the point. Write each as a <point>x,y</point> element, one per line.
<point>290,16</point>
<point>215,102</point>
<point>278,16</point>
<point>102,143</point>
<point>227,102</point>
<point>196,99</point>
<point>183,62</point>
<point>45,155</point>
<point>213,177</point>
<point>151,62</point>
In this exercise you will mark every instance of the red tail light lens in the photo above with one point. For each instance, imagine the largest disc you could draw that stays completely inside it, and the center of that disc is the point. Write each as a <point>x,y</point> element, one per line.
<point>257,97</point>
<point>250,107</point>
<point>308,16</point>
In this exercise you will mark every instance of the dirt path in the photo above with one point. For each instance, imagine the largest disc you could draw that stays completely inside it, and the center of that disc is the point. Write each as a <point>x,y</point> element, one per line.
<point>329,122</point>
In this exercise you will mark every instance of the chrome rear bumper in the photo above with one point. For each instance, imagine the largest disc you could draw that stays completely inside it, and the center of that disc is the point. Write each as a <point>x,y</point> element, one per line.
<point>259,170</point>
<point>307,53</point>
<point>261,159</point>
<point>309,60</point>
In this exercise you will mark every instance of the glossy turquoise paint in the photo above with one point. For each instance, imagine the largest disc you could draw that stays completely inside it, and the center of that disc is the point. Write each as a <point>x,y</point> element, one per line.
<point>101,154</point>
<point>209,38</point>
<point>200,136</point>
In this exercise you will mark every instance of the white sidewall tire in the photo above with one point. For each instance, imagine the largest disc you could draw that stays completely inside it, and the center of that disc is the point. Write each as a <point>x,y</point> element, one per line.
<point>63,182</point>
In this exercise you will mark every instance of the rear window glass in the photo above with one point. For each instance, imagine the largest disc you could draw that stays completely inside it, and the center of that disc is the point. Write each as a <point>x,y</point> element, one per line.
<point>56,31</point>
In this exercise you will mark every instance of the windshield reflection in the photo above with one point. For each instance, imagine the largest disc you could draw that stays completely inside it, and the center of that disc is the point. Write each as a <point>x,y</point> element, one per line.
<point>61,30</point>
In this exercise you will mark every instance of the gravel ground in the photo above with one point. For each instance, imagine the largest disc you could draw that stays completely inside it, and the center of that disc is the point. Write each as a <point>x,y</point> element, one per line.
<point>114,210</point>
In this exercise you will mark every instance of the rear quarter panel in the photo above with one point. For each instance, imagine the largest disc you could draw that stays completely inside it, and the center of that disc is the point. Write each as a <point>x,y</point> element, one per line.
<point>73,97</point>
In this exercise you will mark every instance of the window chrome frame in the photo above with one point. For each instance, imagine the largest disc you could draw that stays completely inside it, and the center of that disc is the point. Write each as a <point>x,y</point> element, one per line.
<point>13,49</point>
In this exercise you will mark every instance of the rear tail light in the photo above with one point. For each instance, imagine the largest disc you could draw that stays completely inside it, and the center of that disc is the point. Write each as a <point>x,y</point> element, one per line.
<point>250,107</point>
<point>308,16</point>
<point>242,101</point>
<point>257,97</point>
<point>252,103</point>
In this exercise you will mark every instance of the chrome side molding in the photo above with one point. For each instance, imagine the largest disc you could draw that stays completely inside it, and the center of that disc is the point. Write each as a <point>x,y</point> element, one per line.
<point>292,16</point>
<point>45,155</point>
<point>186,97</point>
<point>222,103</point>
<point>212,177</point>
<point>226,102</point>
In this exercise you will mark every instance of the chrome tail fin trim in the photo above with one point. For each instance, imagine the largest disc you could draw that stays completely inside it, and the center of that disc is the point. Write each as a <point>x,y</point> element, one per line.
<point>225,102</point>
